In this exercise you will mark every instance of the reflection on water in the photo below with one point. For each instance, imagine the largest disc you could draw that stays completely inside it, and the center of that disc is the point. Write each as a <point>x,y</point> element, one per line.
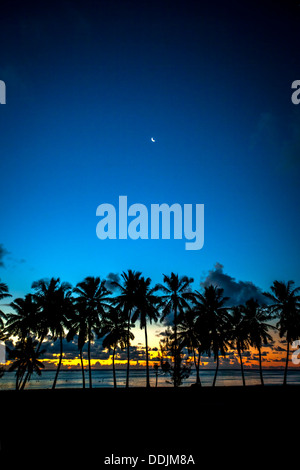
<point>104,378</point>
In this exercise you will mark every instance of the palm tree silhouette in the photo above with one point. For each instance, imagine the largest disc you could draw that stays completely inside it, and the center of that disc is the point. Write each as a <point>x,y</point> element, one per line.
<point>77,325</point>
<point>115,334</point>
<point>24,320</point>
<point>26,361</point>
<point>202,322</point>
<point>93,302</point>
<point>177,293</point>
<point>126,300</point>
<point>146,309</point>
<point>55,302</point>
<point>167,346</point>
<point>211,304</point>
<point>286,307</point>
<point>3,295</point>
<point>255,318</point>
<point>239,333</point>
<point>191,334</point>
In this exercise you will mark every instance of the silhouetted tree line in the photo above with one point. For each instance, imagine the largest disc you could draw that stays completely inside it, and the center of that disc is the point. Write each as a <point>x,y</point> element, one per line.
<point>202,322</point>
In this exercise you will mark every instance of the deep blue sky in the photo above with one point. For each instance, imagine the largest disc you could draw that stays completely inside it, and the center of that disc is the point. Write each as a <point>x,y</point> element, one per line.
<point>90,82</point>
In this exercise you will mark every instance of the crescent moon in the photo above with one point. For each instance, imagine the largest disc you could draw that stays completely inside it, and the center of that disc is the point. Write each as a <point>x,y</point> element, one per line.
<point>152,140</point>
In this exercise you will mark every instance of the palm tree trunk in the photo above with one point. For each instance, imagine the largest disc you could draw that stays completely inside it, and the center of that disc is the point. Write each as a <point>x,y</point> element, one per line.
<point>242,368</point>
<point>128,349</point>
<point>147,359</point>
<point>59,362</point>
<point>196,363</point>
<point>217,368</point>
<point>82,368</point>
<point>175,347</point>
<point>89,359</point>
<point>24,381</point>
<point>40,344</point>
<point>198,368</point>
<point>114,370</point>
<point>260,367</point>
<point>19,378</point>
<point>286,362</point>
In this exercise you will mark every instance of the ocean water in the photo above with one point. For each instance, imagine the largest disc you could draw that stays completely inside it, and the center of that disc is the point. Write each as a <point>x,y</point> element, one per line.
<point>104,378</point>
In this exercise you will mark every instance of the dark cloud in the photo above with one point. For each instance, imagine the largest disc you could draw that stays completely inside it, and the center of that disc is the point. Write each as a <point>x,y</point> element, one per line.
<point>51,347</point>
<point>3,252</point>
<point>102,355</point>
<point>163,334</point>
<point>70,349</point>
<point>238,291</point>
<point>110,278</point>
<point>247,354</point>
<point>167,321</point>
<point>136,354</point>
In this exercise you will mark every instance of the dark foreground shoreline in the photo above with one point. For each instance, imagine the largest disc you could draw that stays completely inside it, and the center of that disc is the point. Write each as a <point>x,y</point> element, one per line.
<point>220,424</point>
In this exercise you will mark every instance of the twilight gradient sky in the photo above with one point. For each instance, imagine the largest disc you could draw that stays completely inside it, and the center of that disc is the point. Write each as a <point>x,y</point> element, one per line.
<point>90,82</point>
